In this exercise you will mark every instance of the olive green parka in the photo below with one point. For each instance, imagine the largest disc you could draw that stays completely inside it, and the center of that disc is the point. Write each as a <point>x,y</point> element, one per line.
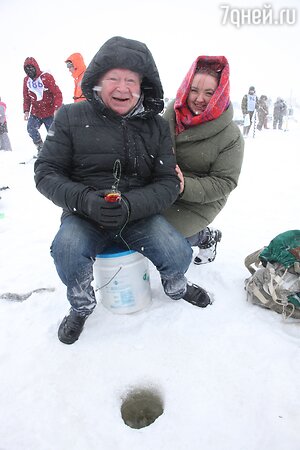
<point>210,156</point>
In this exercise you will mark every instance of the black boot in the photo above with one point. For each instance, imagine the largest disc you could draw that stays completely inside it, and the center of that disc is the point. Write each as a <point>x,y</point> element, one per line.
<point>71,327</point>
<point>197,296</point>
<point>39,146</point>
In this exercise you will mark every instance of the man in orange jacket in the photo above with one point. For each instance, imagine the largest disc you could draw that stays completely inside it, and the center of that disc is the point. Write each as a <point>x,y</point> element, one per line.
<point>77,67</point>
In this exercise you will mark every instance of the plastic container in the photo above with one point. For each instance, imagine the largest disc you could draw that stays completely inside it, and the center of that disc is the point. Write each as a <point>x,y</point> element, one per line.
<point>122,281</point>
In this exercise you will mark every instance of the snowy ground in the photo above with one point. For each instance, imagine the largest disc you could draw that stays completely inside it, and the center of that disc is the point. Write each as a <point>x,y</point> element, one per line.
<point>228,374</point>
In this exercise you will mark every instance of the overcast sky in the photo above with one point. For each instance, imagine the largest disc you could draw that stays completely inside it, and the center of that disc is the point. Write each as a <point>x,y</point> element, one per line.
<point>176,32</point>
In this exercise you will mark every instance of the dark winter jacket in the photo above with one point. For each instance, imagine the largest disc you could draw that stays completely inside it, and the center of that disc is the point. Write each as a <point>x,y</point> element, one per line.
<point>51,97</point>
<point>210,156</point>
<point>87,138</point>
<point>3,123</point>
<point>263,106</point>
<point>280,108</point>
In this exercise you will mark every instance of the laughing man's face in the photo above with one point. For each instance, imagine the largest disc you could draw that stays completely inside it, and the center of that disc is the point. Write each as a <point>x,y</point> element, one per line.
<point>120,90</point>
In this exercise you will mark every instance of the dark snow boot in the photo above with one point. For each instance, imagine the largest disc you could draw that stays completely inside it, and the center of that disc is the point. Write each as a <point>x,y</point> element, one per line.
<point>71,327</point>
<point>197,296</point>
<point>39,146</point>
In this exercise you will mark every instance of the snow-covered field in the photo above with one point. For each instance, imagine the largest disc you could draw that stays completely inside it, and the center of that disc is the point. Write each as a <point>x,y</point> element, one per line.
<point>228,374</point>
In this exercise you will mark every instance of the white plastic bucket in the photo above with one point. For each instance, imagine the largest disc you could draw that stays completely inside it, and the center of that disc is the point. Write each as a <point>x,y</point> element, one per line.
<point>122,281</point>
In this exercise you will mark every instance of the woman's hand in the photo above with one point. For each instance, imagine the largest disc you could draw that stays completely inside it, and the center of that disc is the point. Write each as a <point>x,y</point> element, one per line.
<point>181,178</point>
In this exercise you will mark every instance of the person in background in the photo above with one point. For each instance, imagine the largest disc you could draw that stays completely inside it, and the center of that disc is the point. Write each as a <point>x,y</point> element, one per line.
<point>209,151</point>
<point>262,112</point>
<point>4,139</point>
<point>41,99</point>
<point>76,66</point>
<point>249,105</point>
<point>279,112</point>
<point>115,143</point>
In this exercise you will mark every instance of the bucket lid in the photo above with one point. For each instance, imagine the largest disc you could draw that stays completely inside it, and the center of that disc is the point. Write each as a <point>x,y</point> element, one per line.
<point>114,252</point>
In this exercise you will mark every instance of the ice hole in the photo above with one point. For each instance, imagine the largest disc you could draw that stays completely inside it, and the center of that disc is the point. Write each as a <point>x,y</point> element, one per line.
<point>141,407</point>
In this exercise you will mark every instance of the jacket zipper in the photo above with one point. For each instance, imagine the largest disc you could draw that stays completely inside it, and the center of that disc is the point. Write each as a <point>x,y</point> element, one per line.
<point>127,150</point>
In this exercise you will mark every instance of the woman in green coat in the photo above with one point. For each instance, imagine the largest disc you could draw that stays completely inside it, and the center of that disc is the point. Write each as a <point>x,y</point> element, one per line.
<point>209,150</point>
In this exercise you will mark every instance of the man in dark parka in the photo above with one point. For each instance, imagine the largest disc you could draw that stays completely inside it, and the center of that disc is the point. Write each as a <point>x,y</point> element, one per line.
<point>114,140</point>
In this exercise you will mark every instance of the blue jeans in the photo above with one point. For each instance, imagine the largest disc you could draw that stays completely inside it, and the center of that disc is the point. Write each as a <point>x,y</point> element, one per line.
<point>34,124</point>
<point>78,241</point>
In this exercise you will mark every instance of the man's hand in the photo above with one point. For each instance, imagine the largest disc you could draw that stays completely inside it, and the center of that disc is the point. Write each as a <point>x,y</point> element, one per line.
<point>108,215</point>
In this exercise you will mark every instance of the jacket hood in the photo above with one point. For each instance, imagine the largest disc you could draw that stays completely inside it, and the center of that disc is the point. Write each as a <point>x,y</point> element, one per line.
<point>122,53</point>
<point>78,63</point>
<point>31,61</point>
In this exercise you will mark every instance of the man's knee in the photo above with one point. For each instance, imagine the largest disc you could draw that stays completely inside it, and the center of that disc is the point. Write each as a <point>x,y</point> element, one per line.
<point>64,241</point>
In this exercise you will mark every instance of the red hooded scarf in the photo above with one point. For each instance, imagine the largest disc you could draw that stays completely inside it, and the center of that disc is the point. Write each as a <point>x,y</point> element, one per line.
<point>219,101</point>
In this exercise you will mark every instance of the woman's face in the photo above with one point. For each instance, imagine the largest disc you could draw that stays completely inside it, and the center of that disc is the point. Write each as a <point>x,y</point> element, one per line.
<point>202,89</point>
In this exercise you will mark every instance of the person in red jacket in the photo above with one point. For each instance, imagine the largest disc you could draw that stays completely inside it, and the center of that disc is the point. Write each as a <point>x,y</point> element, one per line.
<point>4,139</point>
<point>41,99</point>
<point>76,66</point>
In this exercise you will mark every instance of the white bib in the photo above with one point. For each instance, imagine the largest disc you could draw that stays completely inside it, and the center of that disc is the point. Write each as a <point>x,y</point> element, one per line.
<point>251,102</point>
<point>37,87</point>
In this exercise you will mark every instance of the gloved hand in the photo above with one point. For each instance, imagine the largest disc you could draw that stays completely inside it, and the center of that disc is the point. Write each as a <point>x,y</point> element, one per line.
<point>114,215</point>
<point>108,215</point>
